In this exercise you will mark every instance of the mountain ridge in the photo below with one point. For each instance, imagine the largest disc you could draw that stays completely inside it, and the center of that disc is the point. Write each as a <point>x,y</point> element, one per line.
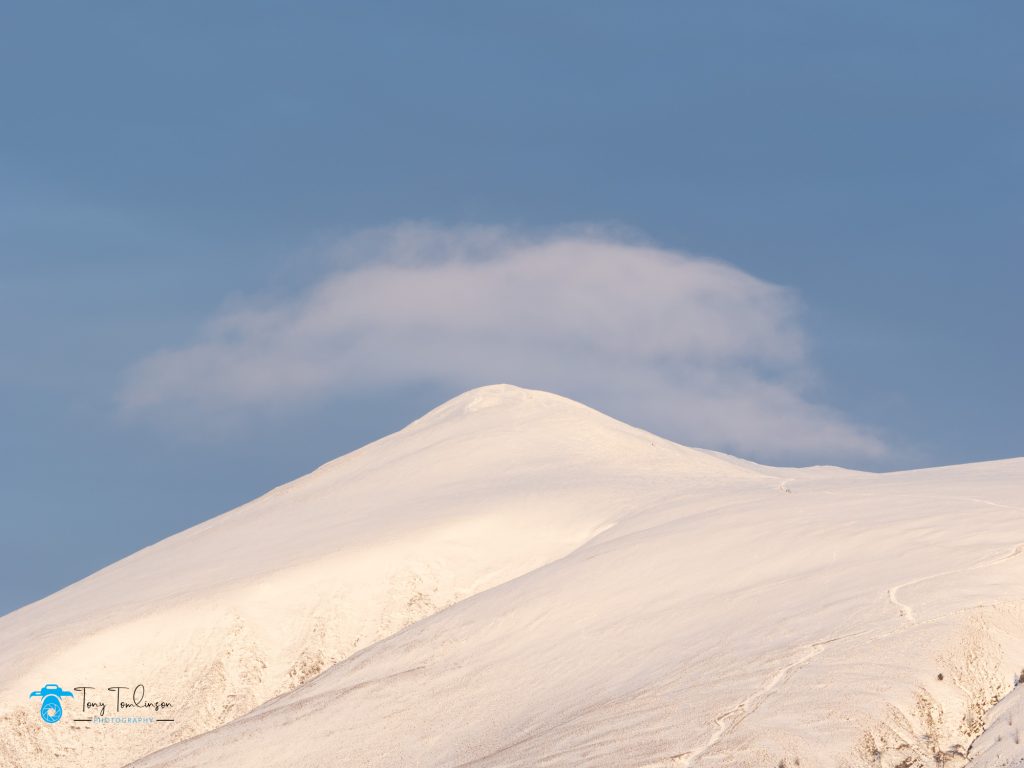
<point>470,544</point>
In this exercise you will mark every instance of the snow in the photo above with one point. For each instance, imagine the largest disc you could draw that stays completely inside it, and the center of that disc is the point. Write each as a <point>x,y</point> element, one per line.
<point>518,580</point>
<point>1001,743</point>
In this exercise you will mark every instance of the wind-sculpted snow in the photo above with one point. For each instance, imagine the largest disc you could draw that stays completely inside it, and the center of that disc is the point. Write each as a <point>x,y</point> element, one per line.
<point>516,580</point>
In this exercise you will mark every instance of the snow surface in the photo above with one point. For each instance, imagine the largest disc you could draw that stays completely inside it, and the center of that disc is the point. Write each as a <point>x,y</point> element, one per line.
<point>518,580</point>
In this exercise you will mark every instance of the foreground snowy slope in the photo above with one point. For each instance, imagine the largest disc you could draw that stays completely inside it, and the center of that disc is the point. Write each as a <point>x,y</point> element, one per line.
<point>615,600</point>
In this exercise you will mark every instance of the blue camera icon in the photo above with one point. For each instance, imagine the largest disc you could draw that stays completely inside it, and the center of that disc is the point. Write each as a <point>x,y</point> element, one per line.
<point>51,710</point>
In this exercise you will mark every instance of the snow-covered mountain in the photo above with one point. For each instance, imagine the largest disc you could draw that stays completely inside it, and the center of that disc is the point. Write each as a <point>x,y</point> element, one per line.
<point>518,580</point>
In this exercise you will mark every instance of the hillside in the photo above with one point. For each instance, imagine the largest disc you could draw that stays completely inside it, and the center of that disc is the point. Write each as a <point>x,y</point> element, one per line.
<point>518,580</point>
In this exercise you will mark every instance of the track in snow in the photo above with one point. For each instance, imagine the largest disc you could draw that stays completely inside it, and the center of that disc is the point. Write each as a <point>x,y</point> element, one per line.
<point>725,722</point>
<point>908,613</point>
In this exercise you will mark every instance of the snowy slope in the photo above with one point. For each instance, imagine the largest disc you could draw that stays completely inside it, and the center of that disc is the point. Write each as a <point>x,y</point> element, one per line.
<point>1001,743</point>
<point>517,580</point>
<point>250,604</point>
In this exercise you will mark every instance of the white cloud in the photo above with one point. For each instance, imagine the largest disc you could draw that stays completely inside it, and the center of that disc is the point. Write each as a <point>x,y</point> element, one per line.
<point>692,348</point>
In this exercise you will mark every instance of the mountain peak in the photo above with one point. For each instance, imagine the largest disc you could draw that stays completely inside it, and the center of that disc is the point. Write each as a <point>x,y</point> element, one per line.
<point>499,396</point>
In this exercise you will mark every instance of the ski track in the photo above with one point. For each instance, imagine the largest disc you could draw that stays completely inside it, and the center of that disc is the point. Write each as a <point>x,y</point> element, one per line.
<point>905,610</point>
<point>908,613</point>
<point>728,720</point>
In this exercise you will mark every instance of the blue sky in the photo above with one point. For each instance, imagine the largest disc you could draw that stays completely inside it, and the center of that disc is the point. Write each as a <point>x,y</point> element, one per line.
<point>175,179</point>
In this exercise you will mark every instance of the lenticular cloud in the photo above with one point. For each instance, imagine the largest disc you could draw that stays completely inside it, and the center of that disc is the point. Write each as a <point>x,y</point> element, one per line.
<point>695,346</point>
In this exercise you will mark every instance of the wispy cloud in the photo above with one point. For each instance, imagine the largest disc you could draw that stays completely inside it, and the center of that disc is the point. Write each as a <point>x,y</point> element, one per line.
<point>693,348</point>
